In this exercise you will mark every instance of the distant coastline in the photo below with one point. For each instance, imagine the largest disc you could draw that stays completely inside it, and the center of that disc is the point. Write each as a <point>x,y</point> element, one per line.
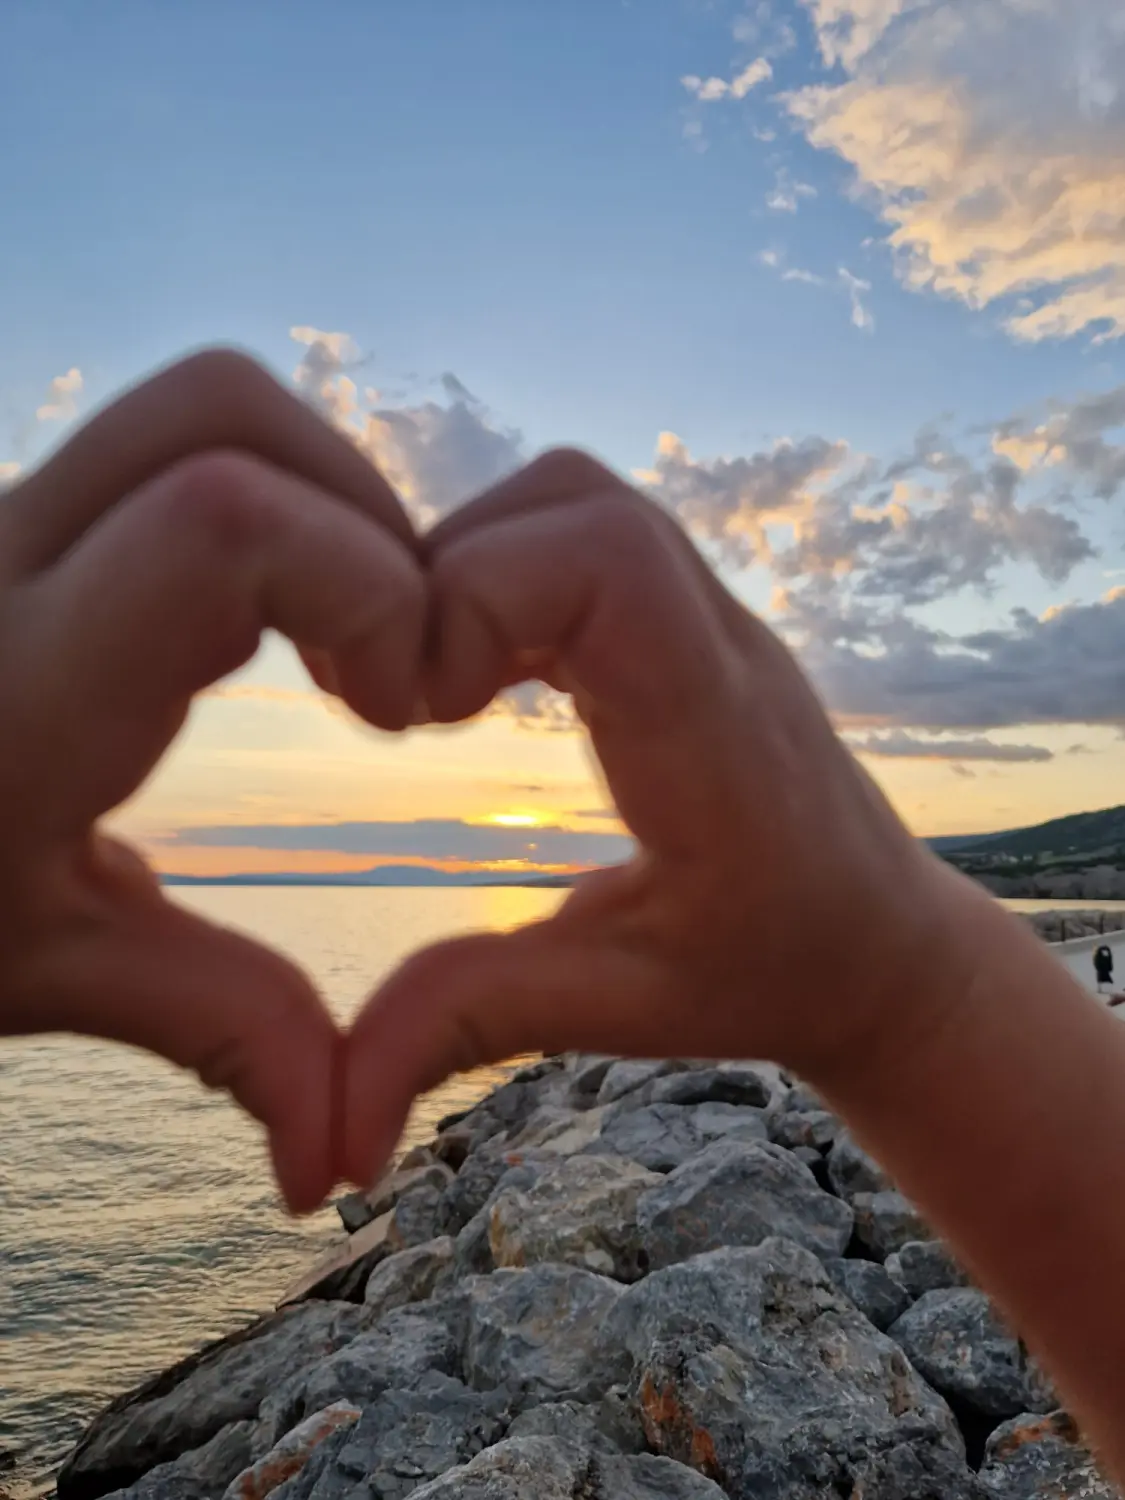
<point>383,875</point>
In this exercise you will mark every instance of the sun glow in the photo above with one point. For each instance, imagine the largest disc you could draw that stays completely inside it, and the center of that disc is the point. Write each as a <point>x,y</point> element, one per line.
<point>515,820</point>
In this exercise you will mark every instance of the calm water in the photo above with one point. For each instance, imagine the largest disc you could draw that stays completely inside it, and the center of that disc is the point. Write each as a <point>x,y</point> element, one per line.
<point>137,1211</point>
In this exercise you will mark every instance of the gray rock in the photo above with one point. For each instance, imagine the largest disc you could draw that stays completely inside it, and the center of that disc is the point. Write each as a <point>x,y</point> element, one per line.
<point>542,1468</point>
<point>358,1209</point>
<point>736,1193</point>
<point>610,1425</point>
<point>814,1129</point>
<point>475,1184</point>
<point>958,1342</point>
<point>749,1365</point>
<point>187,1405</point>
<point>410,1276</point>
<point>804,1096</point>
<point>200,1474</point>
<point>874,1291</point>
<point>925,1266</point>
<point>727,1085</point>
<point>416,1214</point>
<point>291,1454</point>
<point>582,1212</point>
<point>623,1077</point>
<point>662,1137</point>
<point>402,1347</point>
<point>1042,1458</point>
<point>554,1131</point>
<point>851,1170</point>
<point>587,1074</point>
<point>885,1222</point>
<point>809,1156</point>
<point>542,1333</point>
<point>403,1440</point>
<point>472,1249</point>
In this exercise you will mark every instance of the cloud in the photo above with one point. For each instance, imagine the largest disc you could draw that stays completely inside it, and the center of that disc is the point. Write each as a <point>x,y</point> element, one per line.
<point>62,402</point>
<point>427,838</point>
<point>861,317</point>
<point>436,452</point>
<point>900,745</point>
<point>708,90</point>
<point>810,278</point>
<point>1072,435</point>
<point>785,196</point>
<point>731,501</point>
<point>990,138</point>
<point>1062,669</point>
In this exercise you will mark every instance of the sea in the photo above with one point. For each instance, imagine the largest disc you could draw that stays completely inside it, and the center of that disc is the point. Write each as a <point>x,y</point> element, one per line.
<point>138,1217</point>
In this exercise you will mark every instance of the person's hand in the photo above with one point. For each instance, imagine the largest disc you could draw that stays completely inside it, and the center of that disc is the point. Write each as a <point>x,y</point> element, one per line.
<point>137,566</point>
<point>776,908</point>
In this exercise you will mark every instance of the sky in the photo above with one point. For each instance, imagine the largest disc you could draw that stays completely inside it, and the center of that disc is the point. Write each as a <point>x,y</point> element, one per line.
<point>841,283</point>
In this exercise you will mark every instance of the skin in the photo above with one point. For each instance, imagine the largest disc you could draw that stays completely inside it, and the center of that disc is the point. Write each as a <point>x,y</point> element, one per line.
<point>776,908</point>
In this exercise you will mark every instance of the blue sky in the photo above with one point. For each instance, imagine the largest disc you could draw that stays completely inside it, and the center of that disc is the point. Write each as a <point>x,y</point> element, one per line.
<point>610,221</point>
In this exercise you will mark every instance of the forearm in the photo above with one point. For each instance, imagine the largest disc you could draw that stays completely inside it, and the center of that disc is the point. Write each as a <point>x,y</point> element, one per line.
<point>1005,1122</point>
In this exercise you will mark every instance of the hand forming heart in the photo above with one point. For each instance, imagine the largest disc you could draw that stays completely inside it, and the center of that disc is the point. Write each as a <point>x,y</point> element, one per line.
<point>142,562</point>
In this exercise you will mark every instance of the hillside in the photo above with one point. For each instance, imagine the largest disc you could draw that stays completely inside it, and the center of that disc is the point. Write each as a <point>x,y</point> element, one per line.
<point>1081,856</point>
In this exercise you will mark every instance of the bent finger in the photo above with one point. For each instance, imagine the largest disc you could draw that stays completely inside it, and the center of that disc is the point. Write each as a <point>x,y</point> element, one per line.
<point>171,592</point>
<point>215,399</point>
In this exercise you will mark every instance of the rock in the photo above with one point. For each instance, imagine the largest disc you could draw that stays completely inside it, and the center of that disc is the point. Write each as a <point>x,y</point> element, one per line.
<point>884,1222</point>
<point>750,1366</point>
<point>341,1275</point>
<point>879,1297</point>
<point>410,1276</point>
<point>560,1132</point>
<point>200,1474</point>
<point>738,1085</point>
<point>925,1266</point>
<point>472,1249</point>
<point>814,1129</point>
<point>809,1156</point>
<point>662,1137</point>
<point>414,1220</point>
<point>187,1405</point>
<point>581,1212</point>
<point>587,1073</point>
<point>358,1209</point>
<point>1042,1458</point>
<point>542,1332</point>
<point>475,1184</point>
<point>452,1147</point>
<point>623,1077</point>
<point>957,1341</point>
<point>803,1097</point>
<point>610,1425</point>
<point>401,1348</point>
<point>852,1171</point>
<point>541,1468</point>
<point>417,1156</point>
<point>736,1193</point>
<point>291,1454</point>
<point>403,1440</point>
<point>508,1109</point>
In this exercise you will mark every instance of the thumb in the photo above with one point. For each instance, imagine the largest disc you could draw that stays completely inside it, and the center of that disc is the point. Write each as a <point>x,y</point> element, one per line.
<point>131,967</point>
<point>549,987</point>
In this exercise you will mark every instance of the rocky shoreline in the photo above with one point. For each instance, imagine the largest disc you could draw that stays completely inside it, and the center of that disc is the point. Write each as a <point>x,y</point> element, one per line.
<point>1064,926</point>
<point>613,1280</point>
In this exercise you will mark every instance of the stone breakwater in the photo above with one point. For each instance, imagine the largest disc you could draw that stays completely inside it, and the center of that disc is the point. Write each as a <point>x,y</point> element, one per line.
<point>613,1280</point>
<point>1061,926</point>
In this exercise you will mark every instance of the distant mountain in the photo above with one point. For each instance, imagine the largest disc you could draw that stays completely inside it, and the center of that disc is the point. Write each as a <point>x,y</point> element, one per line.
<point>1088,833</point>
<point>378,875</point>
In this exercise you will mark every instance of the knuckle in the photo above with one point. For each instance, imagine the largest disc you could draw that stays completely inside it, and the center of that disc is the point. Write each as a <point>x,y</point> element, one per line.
<point>627,525</point>
<point>216,496</point>
<point>221,375</point>
<point>571,468</point>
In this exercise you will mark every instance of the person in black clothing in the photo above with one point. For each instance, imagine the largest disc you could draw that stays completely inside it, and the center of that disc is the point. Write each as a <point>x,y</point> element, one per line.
<point>1103,966</point>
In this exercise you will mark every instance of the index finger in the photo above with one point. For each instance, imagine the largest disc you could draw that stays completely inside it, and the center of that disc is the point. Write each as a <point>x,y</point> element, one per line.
<point>217,399</point>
